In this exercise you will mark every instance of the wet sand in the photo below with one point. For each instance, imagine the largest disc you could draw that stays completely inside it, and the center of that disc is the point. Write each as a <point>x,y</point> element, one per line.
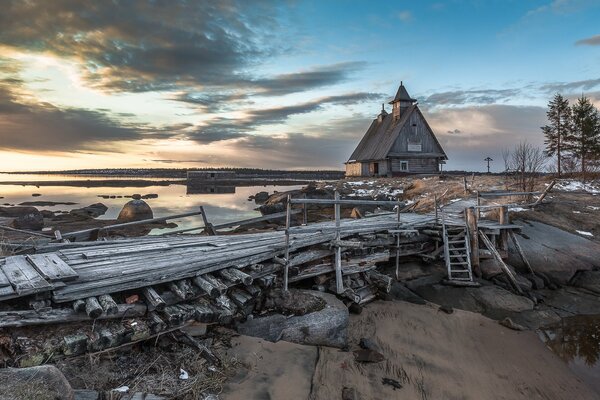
<point>433,355</point>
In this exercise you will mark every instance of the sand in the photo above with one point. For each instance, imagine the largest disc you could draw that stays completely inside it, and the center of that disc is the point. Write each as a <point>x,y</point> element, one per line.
<point>433,355</point>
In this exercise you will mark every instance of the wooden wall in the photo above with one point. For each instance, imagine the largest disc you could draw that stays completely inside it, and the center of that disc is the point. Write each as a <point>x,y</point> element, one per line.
<point>416,165</point>
<point>419,133</point>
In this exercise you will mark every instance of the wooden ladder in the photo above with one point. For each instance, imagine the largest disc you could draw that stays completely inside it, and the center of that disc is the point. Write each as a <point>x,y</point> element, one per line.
<point>457,252</point>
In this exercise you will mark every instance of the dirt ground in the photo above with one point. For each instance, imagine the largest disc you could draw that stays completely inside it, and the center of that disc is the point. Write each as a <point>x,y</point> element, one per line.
<point>433,355</point>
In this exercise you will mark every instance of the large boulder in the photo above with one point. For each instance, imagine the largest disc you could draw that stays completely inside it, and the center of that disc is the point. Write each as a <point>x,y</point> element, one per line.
<point>32,221</point>
<point>327,326</point>
<point>44,382</point>
<point>92,211</point>
<point>556,253</point>
<point>589,280</point>
<point>135,210</point>
<point>17,211</point>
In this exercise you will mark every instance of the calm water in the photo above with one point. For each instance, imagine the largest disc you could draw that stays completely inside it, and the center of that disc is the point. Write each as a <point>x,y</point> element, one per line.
<point>577,341</point>
<point>173,199</point>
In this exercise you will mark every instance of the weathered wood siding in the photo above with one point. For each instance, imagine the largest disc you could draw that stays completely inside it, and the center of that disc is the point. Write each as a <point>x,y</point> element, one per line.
<point>415,165</point>
<point>417,134</point>
<point>354,169</point>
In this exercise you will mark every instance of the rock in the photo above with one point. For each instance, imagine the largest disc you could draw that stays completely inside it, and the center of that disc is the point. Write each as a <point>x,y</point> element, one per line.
<point>507,322</point>
<point>36,194</point>
<point>496,300</point>
<point>523,282</point>
<point>85,394</point>
<point>537,282</point>
<point>490,268</point>
<point>267,209</point>
<point>44,382</point>
<point>489,300</point>
<point>326,327</point>
<point>589,280</point>
<point>368,356</point>
<point>47,213</point>
<point>17,211</point>
<point>136,196</point>
<point>92,211</point>
<point>261,197</point>
<point>369,344</point>
<point>149,196</point>
<point>33,221</point>
<point>572,300</point>
<point>135,210</point>
<point>556,253</point>
<point>401,292</point>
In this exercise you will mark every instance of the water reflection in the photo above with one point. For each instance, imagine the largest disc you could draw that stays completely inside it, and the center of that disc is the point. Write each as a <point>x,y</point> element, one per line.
<point>210,189</point>
<point>576,340</point>
<point>221,204</point>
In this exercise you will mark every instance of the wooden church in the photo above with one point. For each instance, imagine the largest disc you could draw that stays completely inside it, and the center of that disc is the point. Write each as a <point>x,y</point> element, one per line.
<point>398,143</point>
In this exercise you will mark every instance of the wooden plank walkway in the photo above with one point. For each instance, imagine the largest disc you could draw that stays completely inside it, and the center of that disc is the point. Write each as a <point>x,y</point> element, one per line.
<point>73,271</point>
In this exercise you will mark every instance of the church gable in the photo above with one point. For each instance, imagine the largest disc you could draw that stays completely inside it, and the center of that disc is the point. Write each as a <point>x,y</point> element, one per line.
<point>416,137</point>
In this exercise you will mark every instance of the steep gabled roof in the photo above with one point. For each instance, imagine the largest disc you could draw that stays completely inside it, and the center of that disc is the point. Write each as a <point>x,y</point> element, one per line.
<point>380,137</point>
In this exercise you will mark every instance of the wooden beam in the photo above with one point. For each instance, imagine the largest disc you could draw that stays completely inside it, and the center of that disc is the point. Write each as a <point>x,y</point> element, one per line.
<point>504,267</point>
<point>520,251</point>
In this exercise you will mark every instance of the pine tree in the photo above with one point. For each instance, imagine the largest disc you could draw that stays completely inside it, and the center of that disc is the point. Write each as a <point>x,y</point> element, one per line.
<point>585,138</point>
<point>560,128</point>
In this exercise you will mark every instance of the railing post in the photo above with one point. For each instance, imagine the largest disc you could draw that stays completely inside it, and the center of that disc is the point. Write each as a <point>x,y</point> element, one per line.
<point>338,250</point>
<point>305,212</point>
<point>471,220</point>
<point>208,228</point>
<point>288,221</point>
<point>435,205</point>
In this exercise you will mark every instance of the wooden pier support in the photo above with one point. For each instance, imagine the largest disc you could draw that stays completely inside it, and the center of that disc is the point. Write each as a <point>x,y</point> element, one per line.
<point>471,221</point>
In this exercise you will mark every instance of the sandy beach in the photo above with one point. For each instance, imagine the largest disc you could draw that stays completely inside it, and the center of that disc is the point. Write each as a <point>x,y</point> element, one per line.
<point>433,355</point>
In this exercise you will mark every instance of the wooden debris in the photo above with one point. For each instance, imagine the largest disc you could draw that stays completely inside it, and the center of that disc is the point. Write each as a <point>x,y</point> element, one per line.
<point>93,308</point>
<point>108,304</point>
<point>153,299</point>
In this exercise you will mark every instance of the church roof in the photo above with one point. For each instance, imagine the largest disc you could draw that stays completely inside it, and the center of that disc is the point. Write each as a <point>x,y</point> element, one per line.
<point>380,137</point>
<point>402,95</point>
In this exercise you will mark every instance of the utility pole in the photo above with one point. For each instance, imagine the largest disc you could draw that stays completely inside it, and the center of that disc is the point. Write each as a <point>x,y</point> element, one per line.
<point>488,159</point>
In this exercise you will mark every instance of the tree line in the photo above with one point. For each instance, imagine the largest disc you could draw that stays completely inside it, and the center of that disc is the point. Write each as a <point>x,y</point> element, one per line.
<point>572,135</point>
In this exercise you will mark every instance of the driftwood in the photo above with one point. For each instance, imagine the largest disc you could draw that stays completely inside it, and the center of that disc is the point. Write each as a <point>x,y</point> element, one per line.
<point>381,281</point>
<point>108,304</point>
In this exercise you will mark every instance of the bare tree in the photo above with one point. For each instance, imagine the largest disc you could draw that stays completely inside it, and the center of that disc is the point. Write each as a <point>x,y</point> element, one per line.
<point>524,165</point>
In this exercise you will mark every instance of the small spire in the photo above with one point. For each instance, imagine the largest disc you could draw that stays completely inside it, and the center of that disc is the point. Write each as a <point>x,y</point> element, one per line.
<point>382,107</point>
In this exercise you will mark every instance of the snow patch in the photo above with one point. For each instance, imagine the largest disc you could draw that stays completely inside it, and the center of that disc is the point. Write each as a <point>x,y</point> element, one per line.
<point>584,233</point>
<point>578,186</point>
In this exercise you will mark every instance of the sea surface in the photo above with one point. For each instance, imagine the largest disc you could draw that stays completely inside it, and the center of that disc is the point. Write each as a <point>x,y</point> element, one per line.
<point>171,200</point>
<point>576,340</point>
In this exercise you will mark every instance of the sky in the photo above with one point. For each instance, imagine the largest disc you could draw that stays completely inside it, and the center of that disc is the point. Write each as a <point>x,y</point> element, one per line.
<point>280,84</point>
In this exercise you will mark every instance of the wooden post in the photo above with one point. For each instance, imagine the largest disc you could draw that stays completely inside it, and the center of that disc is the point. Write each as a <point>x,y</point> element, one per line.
<point>504,267</point>
<point>465,184</point>
<point>338,250</point>
<point>503,220</point>
<point>208,228</point>
<point>288,221</point>
<point>478,205</point>
<point>520,251</point>
<point>304,212</point>
<point>548,188</point>
<point>471,220</point>
<point>435,204</point>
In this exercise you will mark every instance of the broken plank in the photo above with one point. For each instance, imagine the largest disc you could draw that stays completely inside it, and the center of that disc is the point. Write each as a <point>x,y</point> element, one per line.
<point>23,277</point>
<point>52,267</point>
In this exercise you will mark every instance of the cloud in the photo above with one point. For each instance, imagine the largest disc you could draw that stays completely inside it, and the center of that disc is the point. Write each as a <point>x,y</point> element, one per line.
<point>226,129</point>
<point>405,16</point>
<point>560,7</point>
<point>485,130</point>
<point>591,41</point>
<point>476,96</point>
<point>142,46</point>
<point>587,84</point>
